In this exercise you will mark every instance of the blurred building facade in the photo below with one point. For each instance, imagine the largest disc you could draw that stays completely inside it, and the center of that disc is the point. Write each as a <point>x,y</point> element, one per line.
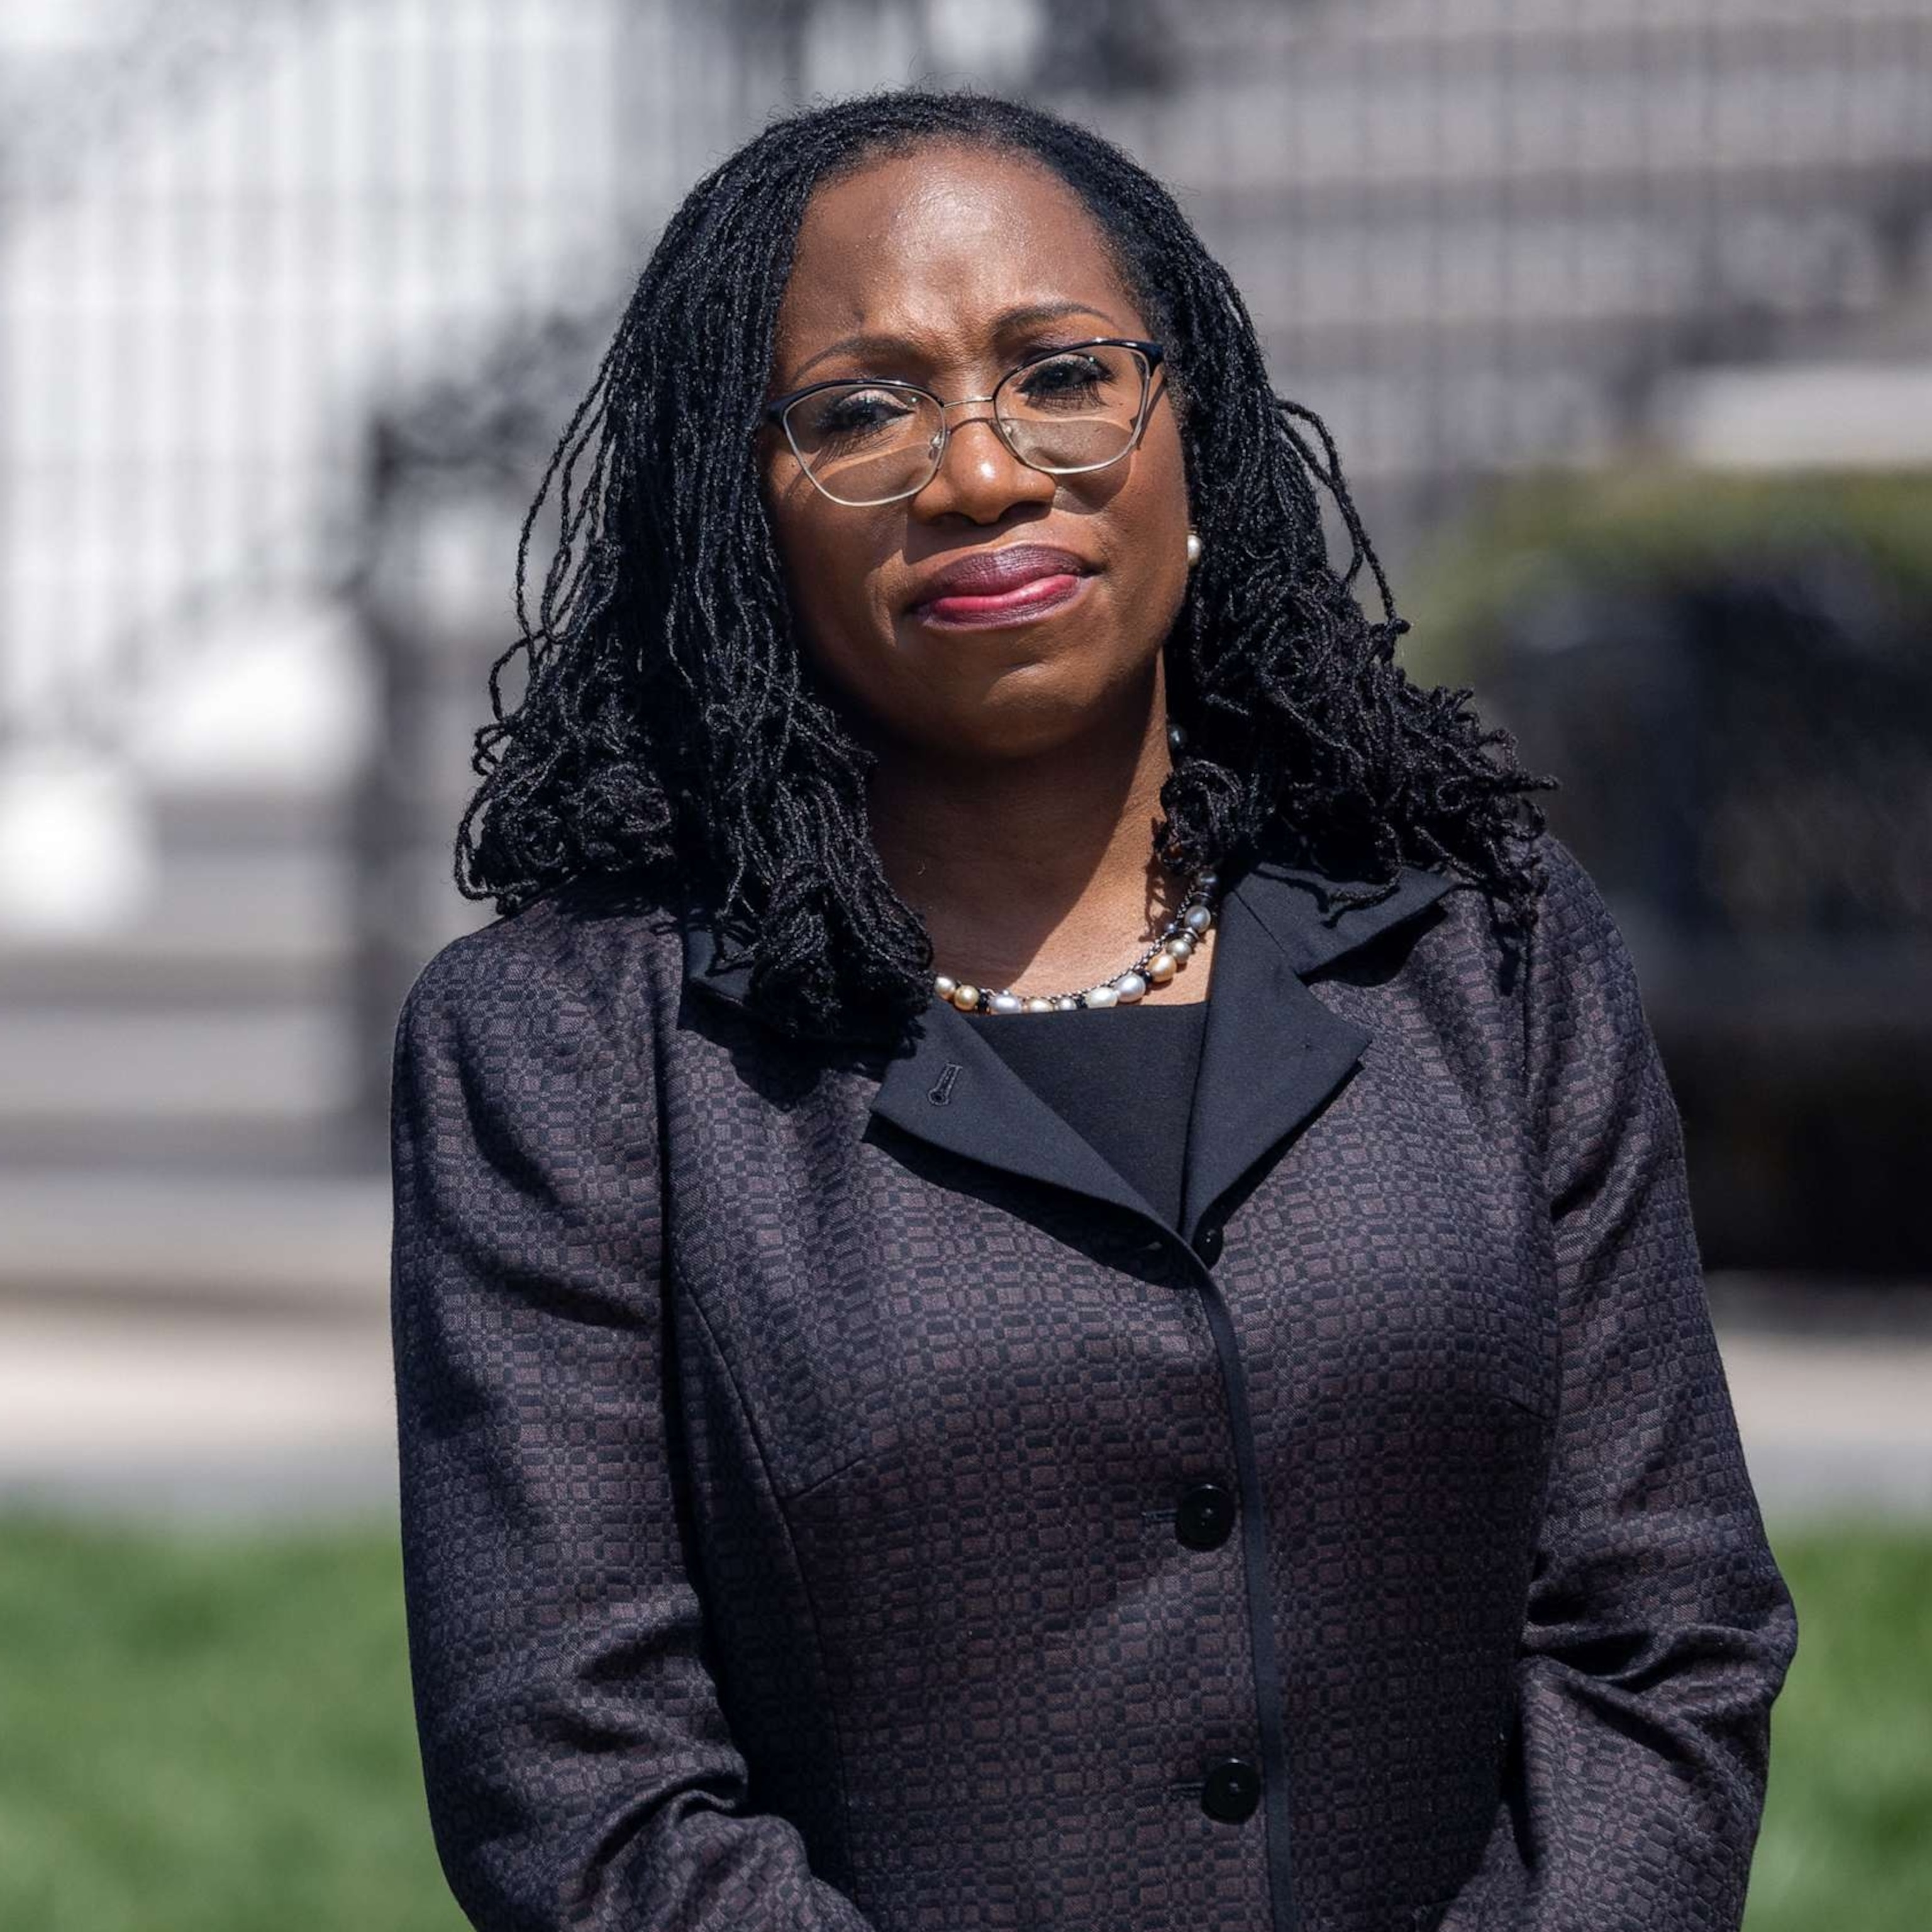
<point>295,298</point>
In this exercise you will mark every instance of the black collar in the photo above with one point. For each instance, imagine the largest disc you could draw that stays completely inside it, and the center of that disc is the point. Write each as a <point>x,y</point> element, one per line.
<point>1272,1053</point>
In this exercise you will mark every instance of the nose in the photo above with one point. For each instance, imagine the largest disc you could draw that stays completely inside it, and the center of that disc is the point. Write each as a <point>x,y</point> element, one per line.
<point>978,477</point>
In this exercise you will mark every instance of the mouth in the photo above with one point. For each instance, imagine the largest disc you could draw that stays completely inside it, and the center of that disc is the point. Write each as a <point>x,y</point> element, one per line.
<point>1021,604</point>
<point>1015,584</point>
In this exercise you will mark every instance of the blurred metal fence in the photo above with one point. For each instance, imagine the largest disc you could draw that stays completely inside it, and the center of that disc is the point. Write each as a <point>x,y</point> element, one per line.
<point>225,229</point>
<point>294,298</point>
<point>232,234</point>
<point>1746,751</point>
<point>1473,233</point>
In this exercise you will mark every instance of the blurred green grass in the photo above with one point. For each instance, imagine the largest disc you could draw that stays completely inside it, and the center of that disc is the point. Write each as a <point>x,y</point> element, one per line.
<point>209,1731</point>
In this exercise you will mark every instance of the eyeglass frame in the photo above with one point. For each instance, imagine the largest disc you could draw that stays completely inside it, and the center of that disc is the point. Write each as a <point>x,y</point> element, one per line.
<point>1152,353</point>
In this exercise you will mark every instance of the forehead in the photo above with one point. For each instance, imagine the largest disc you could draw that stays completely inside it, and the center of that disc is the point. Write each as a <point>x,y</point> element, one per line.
<point>932,246</point>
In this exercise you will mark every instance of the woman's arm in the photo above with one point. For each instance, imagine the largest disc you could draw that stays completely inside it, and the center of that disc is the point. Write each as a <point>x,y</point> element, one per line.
<point>579,1771</point>
<point>1658,1629</point>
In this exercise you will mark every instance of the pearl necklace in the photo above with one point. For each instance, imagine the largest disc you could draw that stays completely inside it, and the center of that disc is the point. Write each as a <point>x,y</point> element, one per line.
<point>1154,968</point>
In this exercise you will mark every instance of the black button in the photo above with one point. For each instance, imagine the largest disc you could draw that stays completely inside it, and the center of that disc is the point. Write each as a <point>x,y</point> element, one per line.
<point>1207,1243</point>
<point>1232,1790</point>
<point>1205,1516</point>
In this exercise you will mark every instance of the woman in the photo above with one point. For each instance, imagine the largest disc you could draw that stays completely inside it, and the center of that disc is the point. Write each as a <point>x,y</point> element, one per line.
<point>1042,1273</point>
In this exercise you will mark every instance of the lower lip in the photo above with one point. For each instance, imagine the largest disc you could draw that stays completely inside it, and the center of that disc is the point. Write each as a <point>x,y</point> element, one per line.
<point>1020,605</point>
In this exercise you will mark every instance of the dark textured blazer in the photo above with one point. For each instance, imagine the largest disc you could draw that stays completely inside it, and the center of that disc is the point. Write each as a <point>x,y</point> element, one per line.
<point>832,1498</point>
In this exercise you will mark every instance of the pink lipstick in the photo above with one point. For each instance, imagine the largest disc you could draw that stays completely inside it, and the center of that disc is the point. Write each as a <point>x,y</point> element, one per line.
<point>1010,586</point>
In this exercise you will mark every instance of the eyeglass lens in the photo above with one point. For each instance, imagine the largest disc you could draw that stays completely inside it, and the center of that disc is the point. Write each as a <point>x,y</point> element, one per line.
<point>869,442</point>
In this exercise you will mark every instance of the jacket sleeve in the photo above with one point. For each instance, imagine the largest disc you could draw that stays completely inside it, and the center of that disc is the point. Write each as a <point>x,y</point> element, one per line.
<point>1658,1629</point>
<point>578,1768</point>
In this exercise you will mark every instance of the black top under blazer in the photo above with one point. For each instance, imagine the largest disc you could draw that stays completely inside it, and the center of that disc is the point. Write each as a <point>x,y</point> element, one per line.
<point>1122,1077</point>
<point>833,1500</point>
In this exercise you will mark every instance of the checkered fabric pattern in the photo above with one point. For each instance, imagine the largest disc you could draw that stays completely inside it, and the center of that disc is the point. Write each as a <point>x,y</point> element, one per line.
<point>831,1502</point>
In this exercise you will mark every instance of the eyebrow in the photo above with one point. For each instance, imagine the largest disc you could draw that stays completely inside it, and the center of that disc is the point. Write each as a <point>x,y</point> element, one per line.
<point>1010,323</point>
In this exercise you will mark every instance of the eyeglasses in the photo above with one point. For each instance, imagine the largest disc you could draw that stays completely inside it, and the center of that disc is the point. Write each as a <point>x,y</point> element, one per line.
<point>1064,410</point>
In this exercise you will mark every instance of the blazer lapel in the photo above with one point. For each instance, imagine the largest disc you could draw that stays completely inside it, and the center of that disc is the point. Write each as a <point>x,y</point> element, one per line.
<point>954,1090</point>
<point>1272,1053</point>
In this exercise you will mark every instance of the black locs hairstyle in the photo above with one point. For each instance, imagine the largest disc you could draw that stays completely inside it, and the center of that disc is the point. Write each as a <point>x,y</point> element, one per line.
<point>670,724</point>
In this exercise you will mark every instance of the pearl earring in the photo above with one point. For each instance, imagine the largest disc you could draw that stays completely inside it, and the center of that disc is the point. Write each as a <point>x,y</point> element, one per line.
<point>1193,549</point>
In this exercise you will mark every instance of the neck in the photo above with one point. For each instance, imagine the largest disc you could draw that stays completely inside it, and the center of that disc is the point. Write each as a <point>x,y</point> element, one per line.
<point>1031,872</point>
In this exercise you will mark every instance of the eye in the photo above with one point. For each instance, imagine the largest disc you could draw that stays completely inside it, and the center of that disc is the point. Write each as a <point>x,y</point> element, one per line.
<point>851,414</point>
<point>1074,377</point>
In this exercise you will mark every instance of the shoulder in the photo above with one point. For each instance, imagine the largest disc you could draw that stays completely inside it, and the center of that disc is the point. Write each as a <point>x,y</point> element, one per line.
<point>1573,937</point>
<point>1581,967</point>
<point>1574,920</point>
<point>1537,990</point>
<point>1593,1067</point>
<point>582,968</point>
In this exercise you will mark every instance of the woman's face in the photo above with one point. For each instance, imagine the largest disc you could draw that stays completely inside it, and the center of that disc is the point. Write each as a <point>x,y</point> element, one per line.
<point>936,261</point>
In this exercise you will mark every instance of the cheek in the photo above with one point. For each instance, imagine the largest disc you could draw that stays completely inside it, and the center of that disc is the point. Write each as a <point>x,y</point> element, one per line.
<point>1166,471</point>
<point>808,545</point>
<point>1151,523</point>
<point>830,565</point>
